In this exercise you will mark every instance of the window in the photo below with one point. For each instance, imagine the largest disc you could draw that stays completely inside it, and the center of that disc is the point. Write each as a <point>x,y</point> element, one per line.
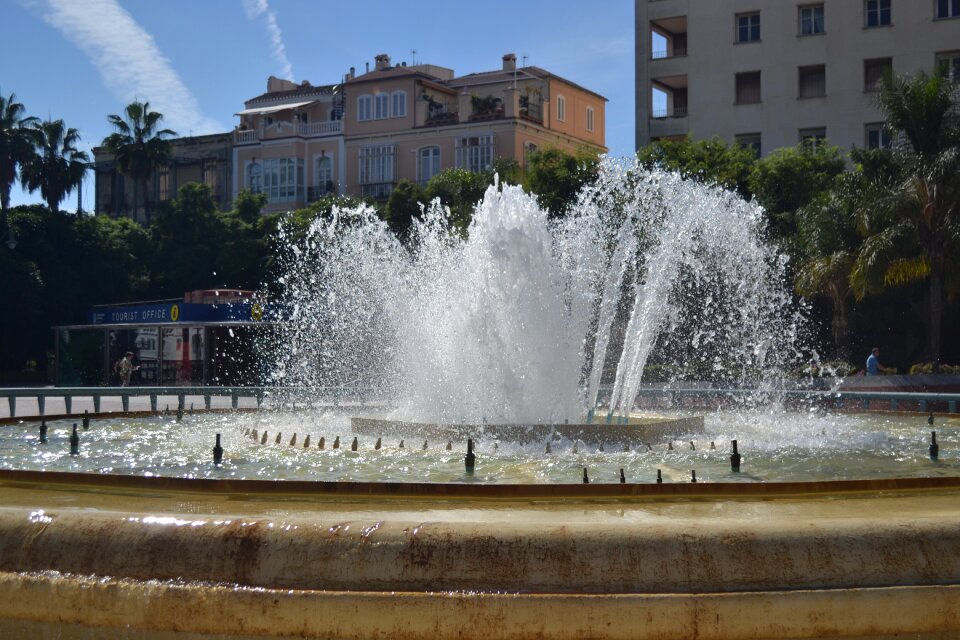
<point>873,72</point>
<point>283,179</point>
<point>324,175</point>
<point>948,8</point>
<point>948,63</point>
<point>376,170</point>
<point>813,137</point>
<point>255,177</point>
<point>475,153</point>
<point>529,148</point>
<point>877,136</point>
<point>748,87</point>
<point>164,183</point>
<point>381,106</point>
<point>399,99</point>
<point>749,141</point>
<point>811,20</point>
<point>210,174</point>
<point>428,164</point>
<point>589,118</point>
<point>812,81</point>
<point>561,108</point>
<point>877,13</point>
<point>365,108</point>
<point>748,27</point>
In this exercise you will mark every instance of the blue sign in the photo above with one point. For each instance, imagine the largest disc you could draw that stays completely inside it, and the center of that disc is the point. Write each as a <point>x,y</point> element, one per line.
<point>171,312</point>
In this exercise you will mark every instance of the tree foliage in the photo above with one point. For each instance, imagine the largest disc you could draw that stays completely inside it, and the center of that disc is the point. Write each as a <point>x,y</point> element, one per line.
<point>709,161</point>
<point>556,177</point>
<point>16,148</point>
<point>56,167</point>
<point>139,146</point>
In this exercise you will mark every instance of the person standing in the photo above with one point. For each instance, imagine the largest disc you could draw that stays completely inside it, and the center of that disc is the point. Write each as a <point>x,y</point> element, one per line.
<point>873,362</point>
<point>126,368</point>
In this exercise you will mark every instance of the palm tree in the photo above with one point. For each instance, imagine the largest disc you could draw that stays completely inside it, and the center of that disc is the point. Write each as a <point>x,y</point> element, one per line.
<point>139,146</point>
<point>57,166</point>
<point>15,148</point>
<point>913,221</point>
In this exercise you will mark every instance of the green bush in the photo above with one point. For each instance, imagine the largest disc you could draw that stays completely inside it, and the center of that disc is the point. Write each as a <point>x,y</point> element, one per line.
<point>927,367</point>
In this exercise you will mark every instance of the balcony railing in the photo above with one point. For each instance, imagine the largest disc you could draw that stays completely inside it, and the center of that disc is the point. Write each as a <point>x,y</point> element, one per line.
<point>315,193</point>
<point>289,129</point>
<point>676,52</point>
<point>376,190</point>
<point>532,111</point>
<point>675,112</point>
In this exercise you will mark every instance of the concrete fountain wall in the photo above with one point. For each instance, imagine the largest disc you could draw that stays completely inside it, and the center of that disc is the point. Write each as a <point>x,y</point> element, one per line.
<point>300,559</point>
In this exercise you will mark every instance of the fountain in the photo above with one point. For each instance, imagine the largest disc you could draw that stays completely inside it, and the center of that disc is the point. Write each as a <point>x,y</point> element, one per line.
<point>541,503</point>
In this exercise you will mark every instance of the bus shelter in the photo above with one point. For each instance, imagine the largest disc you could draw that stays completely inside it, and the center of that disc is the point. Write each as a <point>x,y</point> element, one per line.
<point>207,338</point>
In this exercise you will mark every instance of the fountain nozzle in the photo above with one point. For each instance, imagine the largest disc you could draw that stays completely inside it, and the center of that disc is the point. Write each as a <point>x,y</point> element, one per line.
<point>586,478</point>
<point>217,452</point>
<point>735,459</point>
<point>74,441</point>
<point>43,432</point>
<point>659,477</point>
<point>86,419</point>
<point>623,478</point>
<point>470,459</point>
<point>934,447</point>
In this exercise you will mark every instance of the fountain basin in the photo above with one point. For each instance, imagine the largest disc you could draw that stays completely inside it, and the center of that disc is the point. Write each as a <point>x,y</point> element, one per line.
<point>359,560</point>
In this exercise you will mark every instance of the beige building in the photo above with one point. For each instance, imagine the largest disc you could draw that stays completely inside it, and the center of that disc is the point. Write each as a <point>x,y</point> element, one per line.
<point>399,122</point>
<point>771,73</point>
<point>206,159</point>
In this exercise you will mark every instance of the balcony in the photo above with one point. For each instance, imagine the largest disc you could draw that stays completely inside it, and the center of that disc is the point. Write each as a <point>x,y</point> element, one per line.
<point>315,193</point>
<point>286,129</point>
<point>670,112</point>
<point>376,190</point>
<point>663,54</point>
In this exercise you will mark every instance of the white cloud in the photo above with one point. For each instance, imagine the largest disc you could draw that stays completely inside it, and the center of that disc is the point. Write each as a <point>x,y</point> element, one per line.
<point>259,8</point>
<point>128,59</point>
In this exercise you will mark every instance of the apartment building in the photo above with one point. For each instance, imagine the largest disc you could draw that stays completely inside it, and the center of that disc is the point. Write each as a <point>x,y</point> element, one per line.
<point>772,73</point>
<point>396,122</point>
<point>207,159</point>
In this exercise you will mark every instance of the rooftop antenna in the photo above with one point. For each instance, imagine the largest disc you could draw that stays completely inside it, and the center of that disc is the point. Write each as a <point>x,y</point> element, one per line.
<point>413,57</point>
<point>525,56</point>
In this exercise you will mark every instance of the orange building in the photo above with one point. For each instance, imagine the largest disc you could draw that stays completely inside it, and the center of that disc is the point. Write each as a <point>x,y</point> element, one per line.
<point>399,122</point>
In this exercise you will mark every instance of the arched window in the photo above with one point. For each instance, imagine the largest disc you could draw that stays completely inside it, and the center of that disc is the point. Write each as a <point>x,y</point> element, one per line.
<point>428,164</point>
<point>254,177</point>
<point>324,175</point>
<point>399,106</point>
<point>364,107</point>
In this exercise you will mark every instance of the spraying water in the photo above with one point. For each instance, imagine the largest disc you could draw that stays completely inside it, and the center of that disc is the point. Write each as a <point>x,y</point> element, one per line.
<point>531,320</point>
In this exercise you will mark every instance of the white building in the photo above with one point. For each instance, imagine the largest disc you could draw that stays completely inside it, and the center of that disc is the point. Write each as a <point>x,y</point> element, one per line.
<point>771,73</point>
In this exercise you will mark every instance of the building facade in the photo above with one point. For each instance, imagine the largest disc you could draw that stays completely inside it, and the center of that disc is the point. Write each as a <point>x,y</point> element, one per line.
<point>772,73</point>
<point>296,143</point>
<point>206,159</point>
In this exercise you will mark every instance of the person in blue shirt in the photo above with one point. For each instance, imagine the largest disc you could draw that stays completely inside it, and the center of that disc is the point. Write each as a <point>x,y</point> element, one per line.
<point>873,362</point>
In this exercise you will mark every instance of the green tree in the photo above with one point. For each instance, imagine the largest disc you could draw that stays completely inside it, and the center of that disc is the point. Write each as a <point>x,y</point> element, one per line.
<point>403,206</point>
<point>139,147</point>
<point>790,178</point>
<point>912,218</point>
<point>16,148</point>
<point>556,177</point>
<point>459,190</point>
<point>57,166</point>
<point>709,161</point>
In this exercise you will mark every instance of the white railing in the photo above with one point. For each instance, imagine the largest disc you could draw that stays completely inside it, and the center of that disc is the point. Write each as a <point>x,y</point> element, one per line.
<point>287,129</point>
<point>311,129</point>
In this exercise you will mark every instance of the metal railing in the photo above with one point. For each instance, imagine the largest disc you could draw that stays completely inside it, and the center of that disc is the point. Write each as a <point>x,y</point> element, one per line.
<point>98,394</point>
<point>288,129</point>
<point>676,52</point>
<point>377,190</point>
<point>675,112</point>
<point>894,400</point>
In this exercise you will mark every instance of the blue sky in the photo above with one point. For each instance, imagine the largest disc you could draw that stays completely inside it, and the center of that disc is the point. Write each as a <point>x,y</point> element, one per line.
<point>196,61</point>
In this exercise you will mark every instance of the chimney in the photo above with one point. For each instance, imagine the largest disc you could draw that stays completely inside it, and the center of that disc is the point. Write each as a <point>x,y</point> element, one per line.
<point>383,61</point>
<point>509,62</point>
<point>353,73</point>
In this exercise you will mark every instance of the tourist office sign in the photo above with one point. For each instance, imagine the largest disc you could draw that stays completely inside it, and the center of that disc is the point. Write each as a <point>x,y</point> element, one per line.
<point>174,312</point>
